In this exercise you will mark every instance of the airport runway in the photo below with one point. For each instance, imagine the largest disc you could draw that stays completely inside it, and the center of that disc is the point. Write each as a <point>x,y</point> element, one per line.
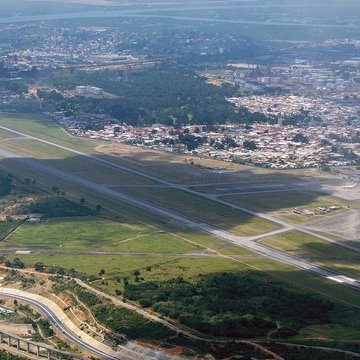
<point>245,242</point>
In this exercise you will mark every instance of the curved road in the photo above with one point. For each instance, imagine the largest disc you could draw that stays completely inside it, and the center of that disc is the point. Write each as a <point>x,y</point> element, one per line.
<point>62,323</point>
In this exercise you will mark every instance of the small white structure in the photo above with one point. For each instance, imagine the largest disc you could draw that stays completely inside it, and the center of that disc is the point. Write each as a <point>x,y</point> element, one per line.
<point>83,90</point>
<point>94,90</point>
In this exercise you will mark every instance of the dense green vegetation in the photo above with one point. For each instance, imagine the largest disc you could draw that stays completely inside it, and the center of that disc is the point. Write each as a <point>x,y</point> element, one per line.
<point>5,183</point>
<point>46,327</point>
<point>129,323</point>
<point>229,305</point>
<point>7,227</point>
<point>7,356</point>
<point>87,298</point>
<point>54,206</point>
<point>168,95</point>
<point>301,353</point>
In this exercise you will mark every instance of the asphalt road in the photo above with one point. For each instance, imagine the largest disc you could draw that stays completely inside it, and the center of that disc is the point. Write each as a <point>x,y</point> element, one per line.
<point>59,325</point>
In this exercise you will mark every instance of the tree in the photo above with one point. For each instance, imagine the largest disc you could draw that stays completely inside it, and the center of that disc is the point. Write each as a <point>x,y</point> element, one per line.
<point>40,267</point>
<point>82,201</point>
<point>301,138</point>
<point>249,145</point>
<point>98,207</point>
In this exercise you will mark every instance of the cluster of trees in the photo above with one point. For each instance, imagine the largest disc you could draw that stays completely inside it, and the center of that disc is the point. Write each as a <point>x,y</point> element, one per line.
<point>167,95</point>
<point>16,263</point>
<point>229,305</point>
<point>129,323</point>
<point>7,356</point>
<point>87,298</point>
<point>303,118</point>
<point>46,327</point>
<point>6,181</point>
<point>54,206</point>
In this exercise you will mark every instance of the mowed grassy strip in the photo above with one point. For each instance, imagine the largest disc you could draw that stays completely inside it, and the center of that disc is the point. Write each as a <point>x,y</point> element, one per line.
<point>163,165</point>
<point>46,181</point>
<point>299,244</point>
<point>99,172</point>
<point>74,232</point>
<point>167,267</point>
<point>322,253</point>
<point>34,149</point>
<point>76,164</point>
<point>346,267</point>
<point>43,127</point>
<point>281,203</point>
<point>6,134</point>
<point>213,213</point>
<point>96,234</point>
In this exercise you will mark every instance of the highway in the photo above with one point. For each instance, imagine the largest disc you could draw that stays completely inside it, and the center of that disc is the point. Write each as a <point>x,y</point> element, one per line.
<point>245,242</point>
<point>62,323</point>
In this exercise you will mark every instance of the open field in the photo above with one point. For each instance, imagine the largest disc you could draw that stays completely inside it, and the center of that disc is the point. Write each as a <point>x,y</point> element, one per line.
<point>42,126</point>
<point>281,204</point>
<point>6,134</point>
<point>165,266</point>
<point>179,168</point>
<point>185,169</point>
<point>190,205</point>
<point>320,252</point>
<point>303,245</point>
<point>35,149</point>
<point>205,210</point>
<point>343,225</point>
<point>95,234</point>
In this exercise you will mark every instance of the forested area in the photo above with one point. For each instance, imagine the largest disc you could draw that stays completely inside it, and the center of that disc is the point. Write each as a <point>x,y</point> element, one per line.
<point>5,184</point>
<point>129,323</point>
<point>167,95</point>
<point>54,206</point>
<point>235,306</point>
<point>7,356</point>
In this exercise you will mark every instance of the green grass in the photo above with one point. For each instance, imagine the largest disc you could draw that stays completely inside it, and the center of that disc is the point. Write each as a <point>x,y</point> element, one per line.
<point>281,203</point>
<point>4,134</point>
<point>95,234</point>
<point>303,245</point>
<point>7,227</point>
<point>91,265</point>
<point>205,210</point>
<point>42,126</point>
<point>78,232</point>
<point>98,172</point>
<point>35,149</point>
<point>321,252</point>
<point>162,267</point>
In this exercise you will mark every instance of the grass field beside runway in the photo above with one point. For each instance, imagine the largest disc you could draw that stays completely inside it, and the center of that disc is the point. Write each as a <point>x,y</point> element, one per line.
<point>193,206</point>
<point>4,134</point>
<point>205,210</point>
<point>43,127</point>
<point>173,167</point>
<point>95,234</point>
<point>320,252</point>
<point>35,149</point>
<point>281,204</point>
<point>303,245</point>
<point>166,266</point>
